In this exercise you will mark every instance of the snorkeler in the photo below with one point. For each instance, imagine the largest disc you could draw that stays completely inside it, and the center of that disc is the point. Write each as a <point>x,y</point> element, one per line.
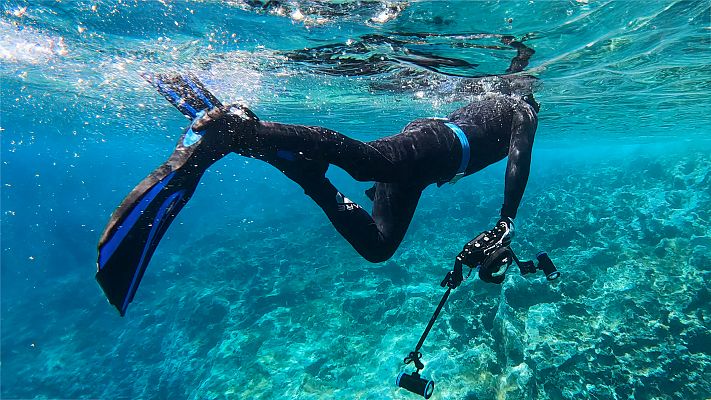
<point>427,151</point>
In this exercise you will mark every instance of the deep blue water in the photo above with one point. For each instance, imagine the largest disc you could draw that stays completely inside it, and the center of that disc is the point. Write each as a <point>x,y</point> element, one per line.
<point>252,293</point>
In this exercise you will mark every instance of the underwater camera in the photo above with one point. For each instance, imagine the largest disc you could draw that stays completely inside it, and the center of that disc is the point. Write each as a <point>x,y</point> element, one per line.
<point>492,270</point>
<point>416,384</point>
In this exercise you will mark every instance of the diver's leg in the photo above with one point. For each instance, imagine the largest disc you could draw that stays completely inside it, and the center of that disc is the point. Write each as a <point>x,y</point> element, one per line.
<point>426,151</point>
<point>375,238</point>
<point>363,161</point>
<point>393,208</point>
<point>421,152</point>
<point>272,142</point>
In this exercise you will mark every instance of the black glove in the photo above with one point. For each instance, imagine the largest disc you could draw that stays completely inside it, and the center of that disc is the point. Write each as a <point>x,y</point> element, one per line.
<point>488,250</point>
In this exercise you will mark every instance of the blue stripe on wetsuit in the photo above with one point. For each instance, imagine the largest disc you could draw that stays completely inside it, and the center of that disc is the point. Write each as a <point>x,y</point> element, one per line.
<point>466,151</point>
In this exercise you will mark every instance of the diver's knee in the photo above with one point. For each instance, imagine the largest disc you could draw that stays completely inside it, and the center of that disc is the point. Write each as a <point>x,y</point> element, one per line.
<point>379,255</point>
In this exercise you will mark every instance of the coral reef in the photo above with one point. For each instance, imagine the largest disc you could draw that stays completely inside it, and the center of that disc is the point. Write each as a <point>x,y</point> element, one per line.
<point>269,310</point>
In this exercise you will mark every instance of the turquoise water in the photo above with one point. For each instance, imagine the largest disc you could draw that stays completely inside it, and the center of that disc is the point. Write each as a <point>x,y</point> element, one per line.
<point>252,293</point>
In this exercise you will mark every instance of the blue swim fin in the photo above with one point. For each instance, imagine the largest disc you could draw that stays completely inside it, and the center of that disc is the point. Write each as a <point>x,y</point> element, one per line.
<point>139,223</point>
<point>134,232</point>
<point>184,91</point>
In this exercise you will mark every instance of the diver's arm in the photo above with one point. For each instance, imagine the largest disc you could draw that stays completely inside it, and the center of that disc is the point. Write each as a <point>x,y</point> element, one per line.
<point>479,249</point>
<point>519,164</point>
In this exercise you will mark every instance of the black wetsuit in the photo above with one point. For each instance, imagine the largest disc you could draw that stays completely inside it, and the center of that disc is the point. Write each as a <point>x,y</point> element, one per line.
<point>427,151</point>
<point>403,165</point>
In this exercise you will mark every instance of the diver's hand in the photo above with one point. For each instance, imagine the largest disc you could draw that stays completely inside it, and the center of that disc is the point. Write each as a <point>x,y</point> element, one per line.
<point>233,116</point>
<point>476,251</point>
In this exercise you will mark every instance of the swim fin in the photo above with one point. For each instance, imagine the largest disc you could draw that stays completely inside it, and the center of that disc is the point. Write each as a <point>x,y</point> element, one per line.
<point>184,91</point>
<point>139,223</point>
<point>134,231</point>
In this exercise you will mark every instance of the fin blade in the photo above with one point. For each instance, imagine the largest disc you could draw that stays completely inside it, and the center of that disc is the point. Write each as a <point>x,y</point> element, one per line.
<point>127,250</point>
<point>184,91</point>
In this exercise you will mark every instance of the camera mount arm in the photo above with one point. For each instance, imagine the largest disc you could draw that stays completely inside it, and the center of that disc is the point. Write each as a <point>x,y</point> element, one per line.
<point>452,280</point>
<point>503,255</point>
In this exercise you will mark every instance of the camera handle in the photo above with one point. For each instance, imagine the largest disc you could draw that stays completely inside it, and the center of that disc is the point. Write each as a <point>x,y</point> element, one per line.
<point>415,356</point>
<point>544,264</point>
<point>526,267</point>
<point>452,280</point>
